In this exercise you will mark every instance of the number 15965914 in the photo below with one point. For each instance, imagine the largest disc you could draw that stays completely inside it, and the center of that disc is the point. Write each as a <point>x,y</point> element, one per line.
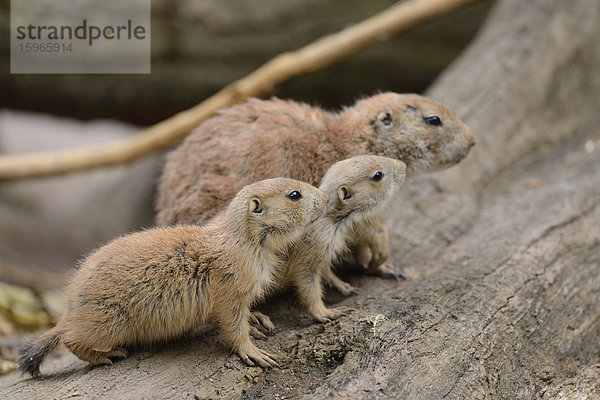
<point>34,47</point>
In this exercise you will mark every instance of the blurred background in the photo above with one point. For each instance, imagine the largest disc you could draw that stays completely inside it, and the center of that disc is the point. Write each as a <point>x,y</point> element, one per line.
<point>198,47</point>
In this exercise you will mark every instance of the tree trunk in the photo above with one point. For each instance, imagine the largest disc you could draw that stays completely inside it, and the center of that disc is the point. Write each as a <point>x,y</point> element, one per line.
<point>502,251</point>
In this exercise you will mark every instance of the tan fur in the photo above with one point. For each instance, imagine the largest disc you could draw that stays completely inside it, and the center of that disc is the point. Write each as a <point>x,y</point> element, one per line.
<point>312,257</point>
<point>161,283</point>
<point>260,139</point>
<point>370,246</point>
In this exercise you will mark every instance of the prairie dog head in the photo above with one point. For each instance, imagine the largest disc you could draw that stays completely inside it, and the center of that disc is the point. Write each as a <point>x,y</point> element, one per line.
<point>361,186</point>
<point>275,212</point>
<point>422,132</point>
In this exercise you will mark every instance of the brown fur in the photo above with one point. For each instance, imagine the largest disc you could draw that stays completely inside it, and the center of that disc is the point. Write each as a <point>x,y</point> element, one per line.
<point>370,245</point>
<point>354,196</point>
<point>260,139</point>
<point>162,283</point>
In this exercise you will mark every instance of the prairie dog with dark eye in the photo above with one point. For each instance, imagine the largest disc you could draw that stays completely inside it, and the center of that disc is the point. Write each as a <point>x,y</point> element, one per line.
<point>358,188</point>
<point>162,283</point>
<point>260,139</point>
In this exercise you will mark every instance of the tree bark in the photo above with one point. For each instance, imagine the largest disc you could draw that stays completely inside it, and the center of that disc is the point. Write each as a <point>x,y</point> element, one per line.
<point>503,252</point>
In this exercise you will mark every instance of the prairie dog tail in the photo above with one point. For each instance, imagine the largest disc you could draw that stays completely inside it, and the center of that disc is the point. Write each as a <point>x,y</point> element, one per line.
<point>34,352</point>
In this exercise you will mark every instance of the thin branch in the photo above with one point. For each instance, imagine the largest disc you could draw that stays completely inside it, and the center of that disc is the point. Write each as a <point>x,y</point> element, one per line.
<point>314,56</point>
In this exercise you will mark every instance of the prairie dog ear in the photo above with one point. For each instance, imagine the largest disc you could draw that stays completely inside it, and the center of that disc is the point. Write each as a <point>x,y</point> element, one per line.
<point>385,118</point>
<point>255,207</point>
<point>410,110</point>
<point>344,194</point>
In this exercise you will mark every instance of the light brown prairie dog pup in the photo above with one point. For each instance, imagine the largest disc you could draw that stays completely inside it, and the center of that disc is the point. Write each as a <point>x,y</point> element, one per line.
<point>358,188</point>
<point>162,283</point>
<point>259,139</point>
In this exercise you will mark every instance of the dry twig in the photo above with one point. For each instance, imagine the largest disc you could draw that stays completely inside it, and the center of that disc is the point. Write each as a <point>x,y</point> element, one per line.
<point>314,56</point>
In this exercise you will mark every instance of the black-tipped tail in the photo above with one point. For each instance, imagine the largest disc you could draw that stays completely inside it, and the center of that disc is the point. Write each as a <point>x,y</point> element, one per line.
<point>33,353</point>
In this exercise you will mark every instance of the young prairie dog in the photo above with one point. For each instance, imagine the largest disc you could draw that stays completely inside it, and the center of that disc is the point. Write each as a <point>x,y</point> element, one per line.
<point>162,283</point>
<point>358,189</point>
<point>259,139</point>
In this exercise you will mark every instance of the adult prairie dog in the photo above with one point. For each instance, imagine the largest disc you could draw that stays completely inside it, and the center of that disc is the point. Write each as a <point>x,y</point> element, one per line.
<point>260,139</point>
<point>162,283</point>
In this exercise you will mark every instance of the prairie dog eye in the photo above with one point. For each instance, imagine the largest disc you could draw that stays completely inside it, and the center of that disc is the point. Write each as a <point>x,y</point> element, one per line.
<point>294,195</point>
<point>378,176</point>
<point>386,120</point>
<point>433,120</point>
